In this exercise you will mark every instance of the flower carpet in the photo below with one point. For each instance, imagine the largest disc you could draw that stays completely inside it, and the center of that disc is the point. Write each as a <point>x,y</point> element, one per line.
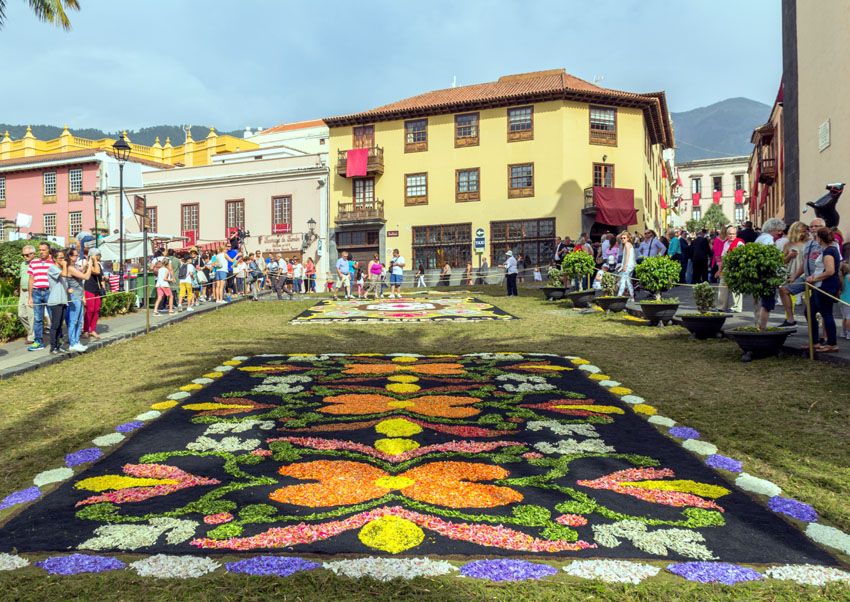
<point>399,456</point>
<point>464,309</point>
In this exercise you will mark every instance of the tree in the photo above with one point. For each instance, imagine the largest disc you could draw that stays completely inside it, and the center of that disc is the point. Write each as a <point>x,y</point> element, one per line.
<point>714,219</point>
<point>54,12</point>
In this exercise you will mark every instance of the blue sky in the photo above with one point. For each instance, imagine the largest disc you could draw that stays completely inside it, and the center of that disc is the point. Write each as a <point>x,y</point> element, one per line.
<point>261,62</point>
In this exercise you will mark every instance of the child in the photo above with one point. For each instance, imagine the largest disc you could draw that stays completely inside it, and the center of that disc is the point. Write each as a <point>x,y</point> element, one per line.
<point>606,267</point>
<point>360,283</point>
<point>844,274</point>
<point>330,283</point>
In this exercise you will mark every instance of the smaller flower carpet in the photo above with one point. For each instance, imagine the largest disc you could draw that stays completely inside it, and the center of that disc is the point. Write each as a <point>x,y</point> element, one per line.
<point>460,309</point>
<point>479,455</point>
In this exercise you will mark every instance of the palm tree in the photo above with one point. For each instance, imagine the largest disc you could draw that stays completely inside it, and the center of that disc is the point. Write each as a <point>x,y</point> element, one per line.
<point>49,11</point>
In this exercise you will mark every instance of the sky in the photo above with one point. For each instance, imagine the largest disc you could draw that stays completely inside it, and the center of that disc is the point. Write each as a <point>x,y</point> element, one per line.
<point>258,63</point>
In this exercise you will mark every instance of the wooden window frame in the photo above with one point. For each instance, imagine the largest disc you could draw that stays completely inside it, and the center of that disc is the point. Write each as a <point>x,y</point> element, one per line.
<point>48,198</point>
<point>499,243</point>
<point>75,196</point>
<point>354,135</point>
<point>365,203</point>
<point>462,142</point>
<point>456,247</point>
<point>524,192</point>
<point>735,179</point>
<point>44,223</point>
<point>463,197</point>
<point>2,191</point>
<point>520,135</point>
<point>152,218</point>
<point>183,225</point>
<point>291,212</point>
<point>698,185</point>
<point>416,200</point>
<point>227,204</point>
<point>71,233</point>
<point>713,189</point>
<point>603,137</point>
<point>613,174</point>
<point>416,147</point>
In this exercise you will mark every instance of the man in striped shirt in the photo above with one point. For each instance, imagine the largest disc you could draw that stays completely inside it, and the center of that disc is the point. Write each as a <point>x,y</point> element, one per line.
<point>38,288</point>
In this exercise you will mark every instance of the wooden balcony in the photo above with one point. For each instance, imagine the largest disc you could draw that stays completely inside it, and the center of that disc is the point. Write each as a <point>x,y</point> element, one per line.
<point>767,170</point>
<point>349,212</point>
<point>374,164</point>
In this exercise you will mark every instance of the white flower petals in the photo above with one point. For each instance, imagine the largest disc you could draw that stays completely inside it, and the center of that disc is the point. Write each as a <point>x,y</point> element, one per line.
<point>633,399</point>
<point>222,368</point>
<point>52,476</point>
<point>662,420</point>
<point>387,569</point>
<point>703,448</point>
<point>829,536</point>
<point>220,428</point>
<point>748,482</point>
<point>571,446</point>
<point>163,566</point>
<point>149,415</point>
<point>10,562</point>
<point>658,542</point>
<point>227,444</point>
<point>107,440</point>
<point>203,381</point>
<point>582,430</point>
<point>240,358</point>
<point>612,571</point>
<point>133,537</point>
<point>590,368</point>
<point>609,383</point>
<point>807,574</point>
<point>178,395</point>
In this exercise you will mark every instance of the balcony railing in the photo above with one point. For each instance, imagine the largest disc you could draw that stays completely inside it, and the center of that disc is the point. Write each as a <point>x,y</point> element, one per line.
<point>374,163</point>
<point>767,170</point>
<point>588,197</point>
<point>353,212</point>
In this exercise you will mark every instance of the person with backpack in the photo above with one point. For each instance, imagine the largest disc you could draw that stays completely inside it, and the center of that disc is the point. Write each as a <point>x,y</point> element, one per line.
<point>186,279</point>
<point>163,286</point>
<point>256,272</point>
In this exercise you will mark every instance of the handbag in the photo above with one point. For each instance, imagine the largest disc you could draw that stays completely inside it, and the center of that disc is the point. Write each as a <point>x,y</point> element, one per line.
<point>201,276</point>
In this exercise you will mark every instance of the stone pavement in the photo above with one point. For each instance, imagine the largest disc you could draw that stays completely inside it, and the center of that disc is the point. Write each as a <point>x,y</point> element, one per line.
<point>15,359</point>
<point>747,318</point>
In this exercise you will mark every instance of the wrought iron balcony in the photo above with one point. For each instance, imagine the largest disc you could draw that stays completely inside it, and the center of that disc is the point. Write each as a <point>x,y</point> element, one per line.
<point>374,163</point>
<point>351,212</point>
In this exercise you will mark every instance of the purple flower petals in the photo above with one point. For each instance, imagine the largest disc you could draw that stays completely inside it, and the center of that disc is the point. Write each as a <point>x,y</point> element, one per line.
<point>684,432</point>
<point>724,463</point>
<point>281,566</point>
<point>506,570</point>
<point>23,496</point>
<point>793,508</point>
<point>714,572</point>
<point>79,563</point>
<point>129,426</point>
<point>83,456</point>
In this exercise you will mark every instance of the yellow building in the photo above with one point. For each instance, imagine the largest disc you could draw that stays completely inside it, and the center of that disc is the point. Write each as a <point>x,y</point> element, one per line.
<point>519,160</point>
<point>188,154</point>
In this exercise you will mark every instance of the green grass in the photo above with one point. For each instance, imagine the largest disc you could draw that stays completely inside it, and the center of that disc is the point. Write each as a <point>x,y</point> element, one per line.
<point>787,419</point>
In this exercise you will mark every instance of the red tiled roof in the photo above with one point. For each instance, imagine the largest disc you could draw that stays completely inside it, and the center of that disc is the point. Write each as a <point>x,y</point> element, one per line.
<point>76,154</point>
<point>297,125</point>
<point>513,89</point>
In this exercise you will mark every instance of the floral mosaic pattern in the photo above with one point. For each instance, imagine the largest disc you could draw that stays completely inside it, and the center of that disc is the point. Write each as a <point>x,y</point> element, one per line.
<point>479,454</point>
<point>464,309</point>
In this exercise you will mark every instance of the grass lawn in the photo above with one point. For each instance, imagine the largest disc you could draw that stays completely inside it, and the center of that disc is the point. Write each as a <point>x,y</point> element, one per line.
<point>786,419</point>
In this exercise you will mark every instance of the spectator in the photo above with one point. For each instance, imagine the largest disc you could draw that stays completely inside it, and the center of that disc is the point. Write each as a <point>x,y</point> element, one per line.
<point>74,317</point>
<point>256,272</point>
<point>219,264</point>
<point>650,247</point>
<point>310,274</point>
<point>343,272</point>
<point>811,258</point>
<point>732,241</point>
<point>38,292</point>
<point>57,298</point>
<point>844,275</point>
<point>163,287</point>
<point>420,277</point>
<point>747,233</point>
<point>297,275</point>
<point>826,283</point>
<point>396,274</point>
<point>446,275</point>
<point>186,280</point>
<point>510,274</point>
<point>468,279</point>
<point>717,242</point>
<point>374,275</point>
<point>700,254</point>
<point>772,230</point>
<point>25,310</point>
<point>627,266</point>
<point>94,290</point>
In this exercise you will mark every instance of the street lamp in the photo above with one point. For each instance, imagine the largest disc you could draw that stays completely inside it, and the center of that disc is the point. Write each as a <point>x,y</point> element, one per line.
<point>121,150</point>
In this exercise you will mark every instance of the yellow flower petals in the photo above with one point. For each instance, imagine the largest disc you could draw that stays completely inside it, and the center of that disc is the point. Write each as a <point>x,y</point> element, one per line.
<point>599,377</point>
<point>394,482</point>
<point>403,378</point>
<point>111,481</point>
<point>546,367</point>
<point>685,486</point>
<point>643,408</point>
<point>191,387</point>
<point>579,362</point>
<point>211,405</point>
<point>593,408</point>
<point>402,388</point>
<point>231,363</point>
<point>405,360</point>
<point>391,534</point>
<point>213,374</point>
<point>620,390</point>
<point>398,427</point>
<point>394,447</point>
<point>400,404</point>
<point>164,405</point>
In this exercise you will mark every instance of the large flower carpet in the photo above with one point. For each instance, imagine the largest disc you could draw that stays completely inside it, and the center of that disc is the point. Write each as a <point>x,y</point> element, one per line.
<point>402,455</point>
<point>405,309</point>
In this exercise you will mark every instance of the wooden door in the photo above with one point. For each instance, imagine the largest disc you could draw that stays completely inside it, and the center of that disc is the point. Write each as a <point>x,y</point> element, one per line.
<point>364,136</point>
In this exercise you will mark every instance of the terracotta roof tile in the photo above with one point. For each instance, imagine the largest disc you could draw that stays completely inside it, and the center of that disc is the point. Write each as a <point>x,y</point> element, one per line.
<point>76,154</point>
<point>297,125</point>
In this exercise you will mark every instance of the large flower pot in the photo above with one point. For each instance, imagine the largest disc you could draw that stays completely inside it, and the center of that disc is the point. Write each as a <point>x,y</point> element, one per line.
<point>757,344</point>
<point>580,298</point>
<point>704,326</point>
<point>615,304</point>
<point>659,313</point>
<point>553,293</point>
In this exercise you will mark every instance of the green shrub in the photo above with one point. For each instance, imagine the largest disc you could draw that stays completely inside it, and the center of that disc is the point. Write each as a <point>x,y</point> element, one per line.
<point>117,303</point>
<point>10,259</point>
<point>10,326</point>
<point>658,274</point>
<point>578,264</point>
<point>754,269</point>
<point>555,277</point>
<point>705,297</point>
<point>610,284</point>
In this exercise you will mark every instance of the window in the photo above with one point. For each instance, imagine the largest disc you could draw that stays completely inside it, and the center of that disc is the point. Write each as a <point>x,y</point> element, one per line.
<point>467,183</point>
<point>534,239</point>
<point>75,183</point>
<point>520,124</point>
<point>739,182</point>
<point>49,224</point>
<point>364,192</point>
<point>416,189</point>
<point>434,246</point>
<point>696,213</point>
<point>364,239</point>
<point>234,215</point>
<point>364,136</point>
<point>466,130</point>
<point>520,180</point>
<point>696,185</point>
<point>189,221</point>
<point>717,184</point>
<point>416,136</point>
<point>2,191</point>
<point>739,214</point>
<point>151,219</point>
<point>75,223</point>
<point>50,185</point>
<point>603,175</point>
<point>603,126</point>
<point>281,214</point>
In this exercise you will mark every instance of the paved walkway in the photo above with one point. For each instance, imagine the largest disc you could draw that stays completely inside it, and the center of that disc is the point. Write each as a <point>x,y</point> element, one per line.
<point>747,318</point>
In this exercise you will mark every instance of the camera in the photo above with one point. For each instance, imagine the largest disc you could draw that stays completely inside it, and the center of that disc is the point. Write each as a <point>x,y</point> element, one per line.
<point>238,238</point>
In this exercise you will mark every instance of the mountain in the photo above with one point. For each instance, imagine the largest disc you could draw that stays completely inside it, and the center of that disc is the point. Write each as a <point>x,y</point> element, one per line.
<point>145,136</point>
<point>719,130</point>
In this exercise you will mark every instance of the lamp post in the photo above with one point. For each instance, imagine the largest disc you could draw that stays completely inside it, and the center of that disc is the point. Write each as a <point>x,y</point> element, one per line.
<point>121,149</point>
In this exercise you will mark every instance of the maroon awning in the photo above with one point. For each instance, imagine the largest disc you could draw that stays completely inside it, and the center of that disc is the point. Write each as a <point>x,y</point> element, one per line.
<point>615,206</point>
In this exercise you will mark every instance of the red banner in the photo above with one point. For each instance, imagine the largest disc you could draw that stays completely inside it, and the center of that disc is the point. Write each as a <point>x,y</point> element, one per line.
<point>615,206</point>
<point>695,199</point>
<point>715,197</point>
<point>661,201</point>
<point>356,161</point>
<point>281,228</point>
<point>739,197</point>
<point>191,237</point>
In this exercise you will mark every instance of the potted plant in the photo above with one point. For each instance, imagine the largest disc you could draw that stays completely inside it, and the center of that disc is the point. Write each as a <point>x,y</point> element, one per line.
<point>554,288</point>
<point>579,265</point>
<point>609,300</point>
<point>657,275</point>
<point>757,270</point>
<point>704,323</point>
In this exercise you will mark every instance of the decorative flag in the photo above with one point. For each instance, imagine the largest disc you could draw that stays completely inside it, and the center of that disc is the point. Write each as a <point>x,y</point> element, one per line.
<point>356,162</point>
<point>715,196</point>
<point>663,170</point>
<point>661,201</point>
<point>695,199</point>
<point>678,179</point>
<point>739,197</point>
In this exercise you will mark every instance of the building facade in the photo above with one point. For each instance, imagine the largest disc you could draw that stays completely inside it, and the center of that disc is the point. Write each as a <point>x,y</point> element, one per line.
<point>767,168</point>
<point>310,137</point>
<point>455,175</point>
<point>723,181</point>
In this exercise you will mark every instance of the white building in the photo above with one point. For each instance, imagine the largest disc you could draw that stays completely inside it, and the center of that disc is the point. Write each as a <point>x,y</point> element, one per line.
<point>309,137</point>
<point>722,181</point>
